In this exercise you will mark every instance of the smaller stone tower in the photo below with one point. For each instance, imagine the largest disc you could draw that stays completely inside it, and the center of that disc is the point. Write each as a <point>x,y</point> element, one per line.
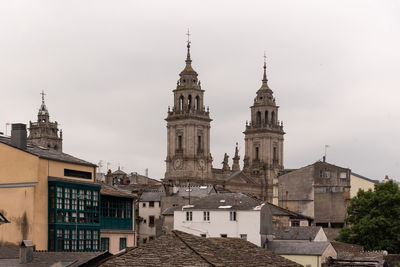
<point>264,141</point>
<point>43,132</point>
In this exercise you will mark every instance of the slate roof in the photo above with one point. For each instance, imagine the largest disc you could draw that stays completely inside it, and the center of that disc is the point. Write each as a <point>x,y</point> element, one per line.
<point>195,191</point>
<point>151,196</point>
<point>113,191</point>
<point>278,211</point>
<point>297,247</point>
<point>298,233</point>
<point>48,153</point>
<point>3,219</point>
<point>9,256</point>
<point>365,178</point>
<point>170,210</point>
<point>226,201</point>
<point>182,249</point>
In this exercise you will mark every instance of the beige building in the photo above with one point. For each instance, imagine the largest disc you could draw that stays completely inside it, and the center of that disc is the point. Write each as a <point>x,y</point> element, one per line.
<point>47,195</point>
<point>358,182</point>
<point>308,246</point>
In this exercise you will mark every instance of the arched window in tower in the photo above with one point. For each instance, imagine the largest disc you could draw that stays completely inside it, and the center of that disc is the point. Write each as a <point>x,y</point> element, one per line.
<point>266,117</point>
<point>189,101</point>
<point>197,103</point>
<point>199,145</point>
<point>275,156</point>
<point>181,101</point>
<point>258,118</point>
<point>257,153</point>
<point>179,143</point>
<point>273,117</point>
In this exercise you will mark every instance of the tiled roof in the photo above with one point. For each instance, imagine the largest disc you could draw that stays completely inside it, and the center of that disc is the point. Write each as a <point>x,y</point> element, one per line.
<point>48,153</point>
<point>227,201</point>
<point>113,191</point>
<point>9,256</point>
<point>151,196</point>
<point>298,233</point>
<point>297,247</point>
<point>182,249</point>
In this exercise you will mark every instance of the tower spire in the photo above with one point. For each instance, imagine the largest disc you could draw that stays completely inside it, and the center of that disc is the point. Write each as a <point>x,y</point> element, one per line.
<point>188,60</point>
<point>264,85</point>
<point>265,69</point>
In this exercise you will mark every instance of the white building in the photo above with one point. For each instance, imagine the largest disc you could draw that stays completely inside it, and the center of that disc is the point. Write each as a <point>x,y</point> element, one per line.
<point>226,215</point>
<point>149,225</point>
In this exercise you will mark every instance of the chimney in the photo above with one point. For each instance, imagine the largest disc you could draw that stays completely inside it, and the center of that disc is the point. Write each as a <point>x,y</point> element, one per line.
<point>18,135</point>
<point>26,251</point>
<point>323,158</point>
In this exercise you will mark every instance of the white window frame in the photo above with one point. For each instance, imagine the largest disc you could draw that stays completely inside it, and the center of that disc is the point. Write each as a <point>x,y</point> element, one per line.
<point>232,216</point>
<point>206,216</point>
<point>189,216</point>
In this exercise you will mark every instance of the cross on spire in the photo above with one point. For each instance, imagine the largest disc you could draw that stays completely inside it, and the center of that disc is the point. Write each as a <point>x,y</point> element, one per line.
<point>43,94</point>
<point>188,35</point>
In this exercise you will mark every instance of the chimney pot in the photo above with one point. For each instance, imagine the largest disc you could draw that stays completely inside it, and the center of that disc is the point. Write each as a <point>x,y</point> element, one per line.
<point>26,251</point>
<point>18,135</point>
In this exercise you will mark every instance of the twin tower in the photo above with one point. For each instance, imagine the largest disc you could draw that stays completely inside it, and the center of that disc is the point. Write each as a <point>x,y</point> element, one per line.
<point>189,157</point>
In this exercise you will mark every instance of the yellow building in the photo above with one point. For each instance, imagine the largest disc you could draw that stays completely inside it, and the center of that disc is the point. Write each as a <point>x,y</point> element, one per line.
<point>358,182</point>
<point>48,196</point>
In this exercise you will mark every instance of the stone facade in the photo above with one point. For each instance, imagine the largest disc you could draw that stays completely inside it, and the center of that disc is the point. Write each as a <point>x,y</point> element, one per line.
<point>189,157</point>
<point>320,191</point>
<point>43,132</point>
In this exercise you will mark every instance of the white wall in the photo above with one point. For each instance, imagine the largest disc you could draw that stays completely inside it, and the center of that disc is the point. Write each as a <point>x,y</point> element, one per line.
<point>247,222</point>
<point>144,231</point>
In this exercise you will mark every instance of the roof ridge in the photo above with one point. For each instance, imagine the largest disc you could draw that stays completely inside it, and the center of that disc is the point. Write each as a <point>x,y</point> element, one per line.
<point>201,256</point>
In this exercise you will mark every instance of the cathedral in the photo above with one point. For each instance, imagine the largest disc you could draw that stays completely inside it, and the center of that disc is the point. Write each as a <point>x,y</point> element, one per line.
<point>43,132</point>
<point>189,158</point>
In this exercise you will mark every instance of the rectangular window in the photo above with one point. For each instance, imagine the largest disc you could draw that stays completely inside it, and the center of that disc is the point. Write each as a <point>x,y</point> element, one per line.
<point>243,236</point>
<point>295,223</point>
<point>232,215</point>
<point>151,204</point>
<point>199,145</point>
<point>203,235</point>
<point>327,174</point>
<point>189,216</point>
<point>257,153</point>
<point>224,235</point>
<point>343,175</point>
<point>151,221</point>
<point>122,243</point>
<point>206,216</point>
<point>144,205</point>
<point>320,190</point>
<point>321,174</point>
<point>105,243</point>
<point>77,174</point>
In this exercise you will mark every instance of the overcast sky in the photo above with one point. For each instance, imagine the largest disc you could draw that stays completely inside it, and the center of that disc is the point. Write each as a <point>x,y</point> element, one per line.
<point>109,67</point>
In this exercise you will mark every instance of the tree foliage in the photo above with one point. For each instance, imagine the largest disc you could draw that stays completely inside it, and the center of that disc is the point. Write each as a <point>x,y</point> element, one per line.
<point>374,219</point>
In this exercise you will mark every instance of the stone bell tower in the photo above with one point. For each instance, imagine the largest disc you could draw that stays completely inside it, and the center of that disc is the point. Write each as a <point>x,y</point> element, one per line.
<point>43,132</point>
<point>188,131</point>
<point>264,141</point>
